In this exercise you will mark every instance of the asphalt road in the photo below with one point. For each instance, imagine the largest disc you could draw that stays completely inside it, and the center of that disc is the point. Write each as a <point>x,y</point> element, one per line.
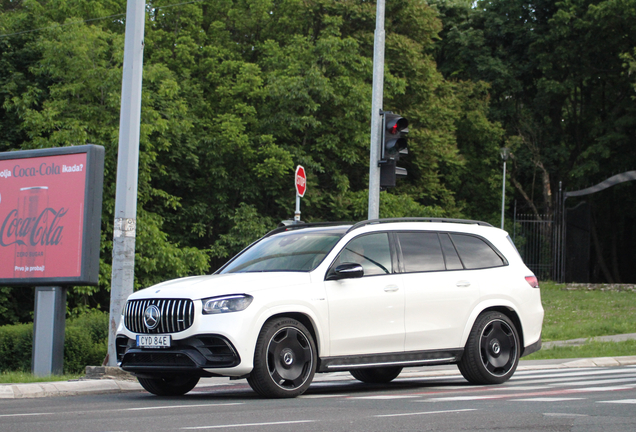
<point>582,399</point>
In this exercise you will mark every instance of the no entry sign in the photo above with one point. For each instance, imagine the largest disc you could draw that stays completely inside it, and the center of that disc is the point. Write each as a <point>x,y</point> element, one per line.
<point>301,181</point>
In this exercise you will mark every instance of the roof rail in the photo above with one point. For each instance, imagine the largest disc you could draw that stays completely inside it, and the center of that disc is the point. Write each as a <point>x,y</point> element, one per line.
<point>296,226</point>
<point>417,219</point>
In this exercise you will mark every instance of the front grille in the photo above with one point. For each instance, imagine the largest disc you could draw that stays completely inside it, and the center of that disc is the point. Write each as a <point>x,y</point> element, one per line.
<point>176,315</point>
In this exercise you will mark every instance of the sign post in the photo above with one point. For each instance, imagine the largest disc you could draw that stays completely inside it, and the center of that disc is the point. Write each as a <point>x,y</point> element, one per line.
<point>301,188</point>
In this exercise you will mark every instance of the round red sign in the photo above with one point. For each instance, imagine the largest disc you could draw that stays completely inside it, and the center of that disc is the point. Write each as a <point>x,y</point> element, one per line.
<point>301,181</point>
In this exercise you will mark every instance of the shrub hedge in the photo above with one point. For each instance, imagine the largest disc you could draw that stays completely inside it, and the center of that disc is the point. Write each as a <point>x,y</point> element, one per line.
<point>85,344</point>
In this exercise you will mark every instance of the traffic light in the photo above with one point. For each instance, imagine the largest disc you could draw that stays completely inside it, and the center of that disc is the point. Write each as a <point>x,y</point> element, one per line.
<point>395,128</point>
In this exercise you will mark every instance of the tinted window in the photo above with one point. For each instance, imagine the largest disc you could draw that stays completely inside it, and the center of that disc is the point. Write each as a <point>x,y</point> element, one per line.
<point>475,253</point>
<point>371,251</point>
<point>450,254</point>
<point>421,251</point>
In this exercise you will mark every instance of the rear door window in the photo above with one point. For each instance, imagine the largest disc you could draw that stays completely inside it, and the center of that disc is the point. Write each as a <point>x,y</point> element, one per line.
<point>421,251</point>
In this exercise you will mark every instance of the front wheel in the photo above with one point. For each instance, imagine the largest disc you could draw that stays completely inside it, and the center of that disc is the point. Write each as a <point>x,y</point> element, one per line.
<point>380,375</point>
<point>169,386</point>
<point>491,354</point>
<point>284,360</point>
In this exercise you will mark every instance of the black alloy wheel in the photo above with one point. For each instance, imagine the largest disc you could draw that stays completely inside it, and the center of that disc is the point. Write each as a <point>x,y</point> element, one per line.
<point>492,352</point>
<point>169,386</point>
<point>284,360</point>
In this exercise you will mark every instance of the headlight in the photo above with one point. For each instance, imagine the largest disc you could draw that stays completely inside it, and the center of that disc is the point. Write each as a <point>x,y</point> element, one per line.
<point>233,303</point>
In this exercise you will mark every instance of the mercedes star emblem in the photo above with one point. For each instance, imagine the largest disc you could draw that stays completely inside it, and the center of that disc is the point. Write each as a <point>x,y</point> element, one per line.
<point>152,315</point>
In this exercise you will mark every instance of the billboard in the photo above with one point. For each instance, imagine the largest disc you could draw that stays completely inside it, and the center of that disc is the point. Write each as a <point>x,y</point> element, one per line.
<point>50,216</point>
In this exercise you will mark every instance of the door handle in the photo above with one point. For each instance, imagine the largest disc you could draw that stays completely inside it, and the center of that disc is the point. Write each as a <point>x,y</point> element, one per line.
<point>463,283</point>
<point>391,288</point>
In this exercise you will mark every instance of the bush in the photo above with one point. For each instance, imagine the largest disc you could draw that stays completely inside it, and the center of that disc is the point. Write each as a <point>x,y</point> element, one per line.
<point>85,344</point>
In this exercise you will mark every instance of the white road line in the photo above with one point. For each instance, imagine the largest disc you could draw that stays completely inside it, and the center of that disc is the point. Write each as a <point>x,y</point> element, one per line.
<point>596,382</point>
<point>600,389</point>
<point>425,413</point>
<point>576,373</point>
<point>560,380</point>
<point>621,401</point>
<point>462,398</point>
<point>521,387</point>
<point>181,406</point>
<point>26,414</point>
<point>386,397</point>
<point>247,425</point>
<point>545,399</point>
<point>321,396</point>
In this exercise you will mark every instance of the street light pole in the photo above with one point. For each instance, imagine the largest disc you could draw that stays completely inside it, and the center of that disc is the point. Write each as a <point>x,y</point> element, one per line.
<point>376,117</point>
<point>505,152</point>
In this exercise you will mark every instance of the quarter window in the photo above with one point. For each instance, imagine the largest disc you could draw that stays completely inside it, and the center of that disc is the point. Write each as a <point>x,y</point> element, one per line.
<point>476,253</point>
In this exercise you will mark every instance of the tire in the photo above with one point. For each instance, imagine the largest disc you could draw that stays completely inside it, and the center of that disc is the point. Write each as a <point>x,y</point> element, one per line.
<point>491,354</point>
<point>284,361</point>
<point>380,375</point>
<point>169,386</point>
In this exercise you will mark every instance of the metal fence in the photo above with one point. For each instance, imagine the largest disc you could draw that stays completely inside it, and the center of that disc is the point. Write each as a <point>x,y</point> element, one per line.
<point>535,237</point>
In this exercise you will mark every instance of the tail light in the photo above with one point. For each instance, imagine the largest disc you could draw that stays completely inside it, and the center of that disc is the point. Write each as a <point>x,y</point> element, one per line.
<point>533,281</point>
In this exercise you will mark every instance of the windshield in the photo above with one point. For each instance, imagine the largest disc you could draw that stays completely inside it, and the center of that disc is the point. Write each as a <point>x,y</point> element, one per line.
<point>291,251</point>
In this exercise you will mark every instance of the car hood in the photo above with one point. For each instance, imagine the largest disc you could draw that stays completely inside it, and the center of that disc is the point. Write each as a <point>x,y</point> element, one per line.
<point>198,287</point>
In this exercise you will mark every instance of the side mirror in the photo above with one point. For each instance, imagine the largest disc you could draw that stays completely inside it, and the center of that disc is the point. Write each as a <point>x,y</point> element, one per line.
<point>346,271</point>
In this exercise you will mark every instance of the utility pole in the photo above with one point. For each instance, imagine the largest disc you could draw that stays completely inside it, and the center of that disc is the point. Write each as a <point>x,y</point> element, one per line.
<point>123,274</point>
<point>376,108</point>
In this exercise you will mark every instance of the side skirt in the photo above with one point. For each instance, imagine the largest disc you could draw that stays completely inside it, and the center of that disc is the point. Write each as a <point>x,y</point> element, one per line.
<point>407,359</point>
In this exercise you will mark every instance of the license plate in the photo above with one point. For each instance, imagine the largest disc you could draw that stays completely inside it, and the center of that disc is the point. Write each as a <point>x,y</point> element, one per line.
<point>154,341</point>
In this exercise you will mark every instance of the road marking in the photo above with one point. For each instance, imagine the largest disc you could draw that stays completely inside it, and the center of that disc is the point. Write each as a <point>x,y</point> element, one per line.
<point>24,415</point>
<point>546,399</point>
<point>425,413</point>
<point>463,398</point>
<point>247,425</point>
<point>306,396</point>
<point>385,397</point>
<point>565,376</point>
<point>564,415</point>
<point>621,401</point>
<point>592,382</point>
<point>521,387</point>
<point>182,406</point>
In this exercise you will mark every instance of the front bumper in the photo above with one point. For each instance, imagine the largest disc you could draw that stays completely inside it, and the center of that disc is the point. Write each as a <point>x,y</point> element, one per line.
<point>186,356</point>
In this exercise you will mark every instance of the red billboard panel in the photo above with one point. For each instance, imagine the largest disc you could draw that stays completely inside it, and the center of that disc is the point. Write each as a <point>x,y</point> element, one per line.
<point>47,198</point>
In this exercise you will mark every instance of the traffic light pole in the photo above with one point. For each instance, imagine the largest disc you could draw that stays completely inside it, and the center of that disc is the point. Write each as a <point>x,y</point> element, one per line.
<point>123,274</point>
<point>376,110</point>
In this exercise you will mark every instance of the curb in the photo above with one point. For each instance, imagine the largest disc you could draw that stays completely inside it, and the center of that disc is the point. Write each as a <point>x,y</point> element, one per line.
<point>122,384</point>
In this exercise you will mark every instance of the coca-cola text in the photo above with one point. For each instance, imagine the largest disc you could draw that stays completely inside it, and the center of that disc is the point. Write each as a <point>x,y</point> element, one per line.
<point>33,230</point>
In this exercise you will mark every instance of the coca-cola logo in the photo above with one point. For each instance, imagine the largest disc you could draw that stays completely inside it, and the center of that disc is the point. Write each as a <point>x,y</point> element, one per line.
<point>33,230</point>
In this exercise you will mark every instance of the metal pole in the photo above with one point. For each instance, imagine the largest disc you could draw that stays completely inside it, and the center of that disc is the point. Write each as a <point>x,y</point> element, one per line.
<point>49,323</point>
<point>297,213</point>
<point>376,107</point>
<point>127,170</point>
<point>503,195</point>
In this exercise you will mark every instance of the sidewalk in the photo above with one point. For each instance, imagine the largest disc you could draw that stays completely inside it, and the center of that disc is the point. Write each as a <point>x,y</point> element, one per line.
<point>101,379</point>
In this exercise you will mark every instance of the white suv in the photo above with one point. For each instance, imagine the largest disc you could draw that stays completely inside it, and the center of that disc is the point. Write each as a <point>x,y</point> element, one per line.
<point>369,298</point>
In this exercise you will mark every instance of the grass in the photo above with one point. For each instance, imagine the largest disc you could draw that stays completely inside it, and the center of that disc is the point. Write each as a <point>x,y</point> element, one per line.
<point>575,311</point>
<point>27,377</point>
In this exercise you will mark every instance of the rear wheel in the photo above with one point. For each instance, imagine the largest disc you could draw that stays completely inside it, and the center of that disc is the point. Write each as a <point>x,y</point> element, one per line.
<point>284,360</point>
<point>491,355</point>
<point>380,375</point>
<point>169,386</point>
